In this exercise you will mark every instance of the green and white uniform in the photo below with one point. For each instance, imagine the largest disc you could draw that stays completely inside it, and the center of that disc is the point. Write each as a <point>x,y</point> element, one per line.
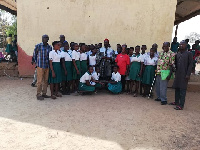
<point>55,57</point>
<point>68,65</point>
<point>76,57</point>
<point>149,71</point>
<point>136,67</point>
<point>83,86</point>
<point>116,87</point>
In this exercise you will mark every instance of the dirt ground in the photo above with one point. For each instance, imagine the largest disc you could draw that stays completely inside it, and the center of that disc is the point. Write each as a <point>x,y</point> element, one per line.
<point>96,122</point>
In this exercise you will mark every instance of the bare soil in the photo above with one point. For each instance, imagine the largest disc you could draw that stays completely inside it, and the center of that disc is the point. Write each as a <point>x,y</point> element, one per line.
<point>94,122</point>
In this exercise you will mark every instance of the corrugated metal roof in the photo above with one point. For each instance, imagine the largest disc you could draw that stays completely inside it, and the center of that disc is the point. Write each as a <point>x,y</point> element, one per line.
<point>186,9</point>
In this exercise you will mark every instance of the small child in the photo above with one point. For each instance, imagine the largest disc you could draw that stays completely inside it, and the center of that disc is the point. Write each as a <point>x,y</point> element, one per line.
<point>115,85</point>
<point>92,58</point>
<point>55,73</point>
<point>76,68</point>
<point>95,77</point>
<point>66,70</point>
<point>85,85</point>
<point>83,59</point>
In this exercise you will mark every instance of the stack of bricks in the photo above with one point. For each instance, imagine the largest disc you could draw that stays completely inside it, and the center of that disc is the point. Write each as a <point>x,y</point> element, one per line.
<point>9,68</point>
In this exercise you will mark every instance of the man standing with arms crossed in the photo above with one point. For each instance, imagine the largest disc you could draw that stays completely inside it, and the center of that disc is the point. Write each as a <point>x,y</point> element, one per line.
<point>41,58</point>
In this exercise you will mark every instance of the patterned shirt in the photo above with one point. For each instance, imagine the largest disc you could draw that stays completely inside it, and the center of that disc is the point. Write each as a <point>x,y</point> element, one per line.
<point>165,60</point>
<point>41,55</point>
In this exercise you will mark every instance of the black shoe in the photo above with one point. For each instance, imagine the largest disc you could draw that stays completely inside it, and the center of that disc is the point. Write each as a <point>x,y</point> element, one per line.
<point>40,98</point>
<point>46,96</point>
<point>164,103</point>
<point>32,84</point>
<point>157,99</point>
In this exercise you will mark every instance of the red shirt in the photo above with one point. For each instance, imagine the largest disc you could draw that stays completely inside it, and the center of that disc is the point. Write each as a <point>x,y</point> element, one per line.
<point>122,61</point>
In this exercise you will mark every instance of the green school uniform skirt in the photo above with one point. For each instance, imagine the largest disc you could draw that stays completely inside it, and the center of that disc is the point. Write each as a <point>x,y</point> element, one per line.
<point>58,71</point>
<point>134,71</point>
<point>75,75</point>
<point>86,88</point>
<point>68,66</point>
<point>115,88</point>
<point>83,67</point>
<point>9,48</point>
<point>98,85</point>
<point>149,74</point>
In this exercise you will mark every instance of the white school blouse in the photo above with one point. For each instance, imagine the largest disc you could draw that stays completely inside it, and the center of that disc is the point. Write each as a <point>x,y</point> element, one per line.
<point>149,61</point>
<point>75,55</point>
<point>139,58</point>
<point>95,76</point>
<point>85,77</point>
<point>92,60</point>
<point>66,56</point>
<point>116,77</point>
<point>54,56</point>
<point>83,56</point>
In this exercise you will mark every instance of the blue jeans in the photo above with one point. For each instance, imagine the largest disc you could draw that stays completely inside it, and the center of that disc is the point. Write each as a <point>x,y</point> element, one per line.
<point>180,97</point>
<point>161,88</point>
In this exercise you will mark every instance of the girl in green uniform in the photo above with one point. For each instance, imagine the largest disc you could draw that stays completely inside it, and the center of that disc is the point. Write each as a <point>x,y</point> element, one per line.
<point>55,73</point>
<point>85,82</point>
<point>150,63</point>
<point>76,67</point>
<point>83,59</point>
<point>66,69</point>
<point>115,85</point>
<point>136,70</point>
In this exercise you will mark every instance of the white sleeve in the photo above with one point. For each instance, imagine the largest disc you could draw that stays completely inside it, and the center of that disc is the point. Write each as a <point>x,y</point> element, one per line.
<point>51,55</point>
<point>94,76</point>
<point>118,78</point>
<point>62,54</point>
<point>112,77</point>
<point>87,77</point>
<point>73,54</point>
<point>141,58</point>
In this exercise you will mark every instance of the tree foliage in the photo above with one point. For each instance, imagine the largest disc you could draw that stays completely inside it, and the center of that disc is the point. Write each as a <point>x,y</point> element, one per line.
<point>7,26</point>
<point>193,37</point>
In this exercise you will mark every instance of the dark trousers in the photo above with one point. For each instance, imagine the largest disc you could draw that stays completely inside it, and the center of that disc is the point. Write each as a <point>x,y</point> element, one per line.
<point>180,97</point>
<point>123,82</point>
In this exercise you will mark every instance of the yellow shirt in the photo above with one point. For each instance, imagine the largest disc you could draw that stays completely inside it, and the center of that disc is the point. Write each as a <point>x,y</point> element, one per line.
<point>9,40</point>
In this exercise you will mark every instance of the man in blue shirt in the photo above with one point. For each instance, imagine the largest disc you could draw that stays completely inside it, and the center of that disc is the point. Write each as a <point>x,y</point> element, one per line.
<point>41,58</point>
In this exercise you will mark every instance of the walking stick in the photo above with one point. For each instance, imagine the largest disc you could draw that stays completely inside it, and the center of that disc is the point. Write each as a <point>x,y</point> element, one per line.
<point>151,89</point>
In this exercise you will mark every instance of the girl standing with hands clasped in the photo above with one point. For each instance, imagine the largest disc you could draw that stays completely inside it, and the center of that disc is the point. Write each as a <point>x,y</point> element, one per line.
<point>150,62</point>
<point>67,69</point>
<point>83,59</point>
<point>76,67</point>
<point>55,73</point>
<point>136,69</point>
<point>115,85</point>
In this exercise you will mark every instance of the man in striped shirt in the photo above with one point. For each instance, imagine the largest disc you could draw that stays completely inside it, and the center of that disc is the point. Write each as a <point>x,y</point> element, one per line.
<point>41,58</point>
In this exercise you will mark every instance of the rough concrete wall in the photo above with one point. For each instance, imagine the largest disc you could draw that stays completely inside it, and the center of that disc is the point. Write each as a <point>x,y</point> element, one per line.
<point>91,21</point>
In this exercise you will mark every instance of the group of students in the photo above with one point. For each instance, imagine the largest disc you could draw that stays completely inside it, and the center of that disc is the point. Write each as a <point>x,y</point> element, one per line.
<point>87,68</point>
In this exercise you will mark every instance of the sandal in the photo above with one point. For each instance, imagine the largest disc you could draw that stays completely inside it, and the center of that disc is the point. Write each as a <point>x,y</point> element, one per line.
<point>53,97</point>
<point>173,103</point>
<point>178,108</point>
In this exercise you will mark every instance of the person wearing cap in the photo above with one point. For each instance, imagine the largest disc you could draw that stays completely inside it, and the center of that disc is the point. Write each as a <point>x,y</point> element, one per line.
<point>62,41</point>
<point>41,58</point>
<point>105,59</point>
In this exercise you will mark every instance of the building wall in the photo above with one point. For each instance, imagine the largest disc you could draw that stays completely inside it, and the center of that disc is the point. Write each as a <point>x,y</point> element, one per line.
<point>91,21</point>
